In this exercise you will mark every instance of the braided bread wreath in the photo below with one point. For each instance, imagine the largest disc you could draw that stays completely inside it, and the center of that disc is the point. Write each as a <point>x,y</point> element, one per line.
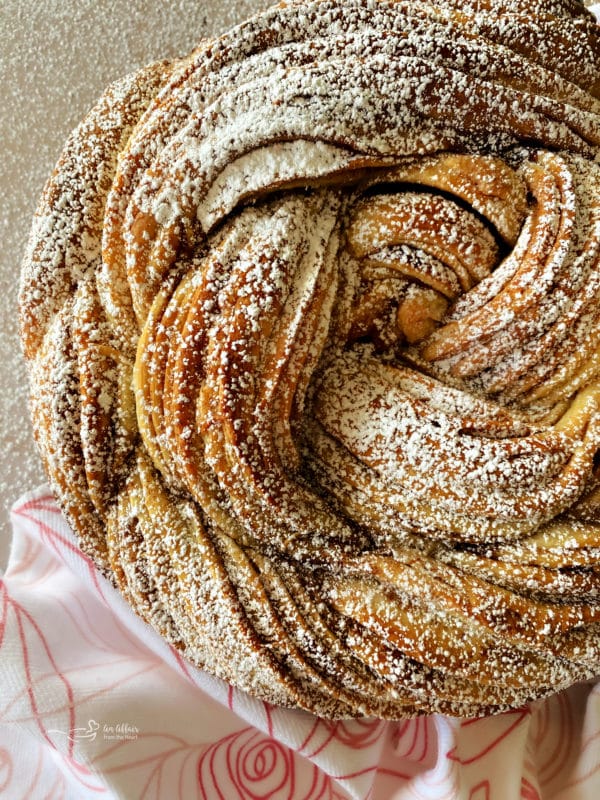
<point>311,320</point>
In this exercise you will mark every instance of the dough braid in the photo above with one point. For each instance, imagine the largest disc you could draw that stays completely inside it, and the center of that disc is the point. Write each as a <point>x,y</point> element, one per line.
<point>311,317</point>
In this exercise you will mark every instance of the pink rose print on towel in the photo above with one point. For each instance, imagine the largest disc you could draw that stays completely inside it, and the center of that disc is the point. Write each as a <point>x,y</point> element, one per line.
<point>251,766</point>
<point>79,672</point>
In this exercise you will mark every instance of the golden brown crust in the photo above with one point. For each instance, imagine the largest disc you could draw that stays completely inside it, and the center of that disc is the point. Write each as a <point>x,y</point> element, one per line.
<point>311,317</point>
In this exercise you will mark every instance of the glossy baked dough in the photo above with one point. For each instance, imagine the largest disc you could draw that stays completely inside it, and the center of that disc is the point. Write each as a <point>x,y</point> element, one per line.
<point>311,317</point>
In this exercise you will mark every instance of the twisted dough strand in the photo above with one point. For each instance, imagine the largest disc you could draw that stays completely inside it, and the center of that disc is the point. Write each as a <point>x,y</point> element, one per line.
<point>311,318</point>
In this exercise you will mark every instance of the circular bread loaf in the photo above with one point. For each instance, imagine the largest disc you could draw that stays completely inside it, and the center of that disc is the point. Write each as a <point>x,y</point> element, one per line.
<point>311,318</point>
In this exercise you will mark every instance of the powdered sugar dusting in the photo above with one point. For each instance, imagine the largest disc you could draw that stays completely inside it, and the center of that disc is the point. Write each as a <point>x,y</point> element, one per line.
<point>320,299</point>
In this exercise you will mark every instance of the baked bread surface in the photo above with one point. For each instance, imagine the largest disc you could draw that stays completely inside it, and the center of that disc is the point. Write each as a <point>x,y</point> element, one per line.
<point>311,320</point>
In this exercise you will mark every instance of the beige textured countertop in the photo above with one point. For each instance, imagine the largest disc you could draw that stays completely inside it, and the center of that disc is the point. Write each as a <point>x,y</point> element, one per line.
<point>56,58</point>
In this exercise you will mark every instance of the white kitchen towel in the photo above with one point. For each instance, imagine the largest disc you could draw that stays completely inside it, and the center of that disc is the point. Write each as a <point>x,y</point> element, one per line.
<point>94,704</point>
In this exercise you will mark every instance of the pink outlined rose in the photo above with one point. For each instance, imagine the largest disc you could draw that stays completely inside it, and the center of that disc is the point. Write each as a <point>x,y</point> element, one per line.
<point>247,765</point>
